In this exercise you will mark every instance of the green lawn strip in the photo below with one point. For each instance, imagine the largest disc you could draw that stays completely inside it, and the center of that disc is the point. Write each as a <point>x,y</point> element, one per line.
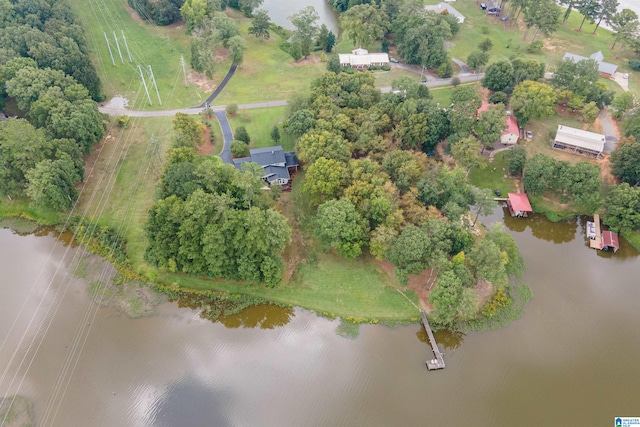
<point>633,237</point>
<point>386,78</point>
<point>267,73</point>
<point>160,47</point>
<point>259,122</point>
<point>22,208</point>
<point>553,211</point>
<point>332,286</point>
<point>494,176</point>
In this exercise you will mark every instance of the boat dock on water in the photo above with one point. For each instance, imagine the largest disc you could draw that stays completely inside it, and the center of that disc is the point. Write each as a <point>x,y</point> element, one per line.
<point>601,240</point>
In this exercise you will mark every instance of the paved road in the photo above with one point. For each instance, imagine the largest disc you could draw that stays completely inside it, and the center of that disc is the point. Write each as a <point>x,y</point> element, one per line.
<point>608,129</point>
<point>196,110</point>
<point>227,135</point>
<point>221,86</point>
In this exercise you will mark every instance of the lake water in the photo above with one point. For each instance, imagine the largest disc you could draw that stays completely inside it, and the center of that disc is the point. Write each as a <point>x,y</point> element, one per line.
<point>281,10</point>
<point>572,359</point>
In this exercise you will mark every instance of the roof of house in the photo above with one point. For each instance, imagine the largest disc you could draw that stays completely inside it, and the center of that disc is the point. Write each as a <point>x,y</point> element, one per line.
<point>512,126</point>
<point>609,238</point>
<point>580,138</point>
<point>270,159</point>
<point>291,159</point>
<point>442,6</point>
<point>268,155</point>
<point>359,59</point>
<point>272,173</point>
<point>519,202</point>
<point>359,51</point>
<point>603,67</point>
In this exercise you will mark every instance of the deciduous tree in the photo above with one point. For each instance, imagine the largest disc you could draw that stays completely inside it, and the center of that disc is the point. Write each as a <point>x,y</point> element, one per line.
<point>365,23</point>
<point>306,29</point>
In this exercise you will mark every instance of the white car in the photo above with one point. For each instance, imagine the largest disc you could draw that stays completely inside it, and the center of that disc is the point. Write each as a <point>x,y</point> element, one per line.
<point>625,76</point>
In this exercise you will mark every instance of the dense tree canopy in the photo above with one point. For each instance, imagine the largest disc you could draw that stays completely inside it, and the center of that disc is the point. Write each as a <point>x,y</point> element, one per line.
<point>625,161</point>
<point>532,101</point>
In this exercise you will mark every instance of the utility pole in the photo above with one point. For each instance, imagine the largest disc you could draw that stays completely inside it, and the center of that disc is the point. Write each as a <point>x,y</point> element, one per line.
<point>118,46</point>
<point>126,45</point>
<point>109,47</point>
<point>145,85</point>
<point>153,80</point>
<point>184,71</point>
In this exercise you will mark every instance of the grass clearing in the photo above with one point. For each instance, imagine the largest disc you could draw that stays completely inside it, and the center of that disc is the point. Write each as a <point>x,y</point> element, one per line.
<point>267,73</point>
<point>495,176</point>
<point>386,78</point>
<point>22,208</point>
<point>259,123</point>
<point>160,47</point>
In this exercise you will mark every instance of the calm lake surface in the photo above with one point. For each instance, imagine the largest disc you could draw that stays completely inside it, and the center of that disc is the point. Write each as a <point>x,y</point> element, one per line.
<point>572,359</point>
<point>281,10</point>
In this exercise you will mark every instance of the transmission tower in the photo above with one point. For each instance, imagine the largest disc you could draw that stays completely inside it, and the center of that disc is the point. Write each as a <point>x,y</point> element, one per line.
<point>126,45</point>
<point>153,80</point>
<point>109,47</point>
<point>118,46</point>
<point>144,83</point>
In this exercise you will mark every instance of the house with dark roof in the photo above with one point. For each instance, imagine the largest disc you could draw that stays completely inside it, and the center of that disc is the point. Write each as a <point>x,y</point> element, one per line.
<point>275,162</point>
<point>605,69</point>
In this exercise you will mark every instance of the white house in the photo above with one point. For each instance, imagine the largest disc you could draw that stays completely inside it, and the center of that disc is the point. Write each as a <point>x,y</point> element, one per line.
<point>361,59</point>
<point>446,9</point>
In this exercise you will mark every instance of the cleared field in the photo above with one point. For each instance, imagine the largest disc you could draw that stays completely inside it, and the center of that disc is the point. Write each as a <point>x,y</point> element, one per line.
<point>495,176</point>
<point>260,122</point>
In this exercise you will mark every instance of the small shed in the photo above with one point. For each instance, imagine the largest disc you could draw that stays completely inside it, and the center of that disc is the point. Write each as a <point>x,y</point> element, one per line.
<point>579,141</point>
<point>610,241</point>
<point>518,204</point>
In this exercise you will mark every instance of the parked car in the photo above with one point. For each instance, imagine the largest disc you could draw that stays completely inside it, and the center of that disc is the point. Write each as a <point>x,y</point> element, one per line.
<point>625,76</point>
<point>483,6</point>
<point>394,60</point>
<point>529,134</point>
<point>497,192</point>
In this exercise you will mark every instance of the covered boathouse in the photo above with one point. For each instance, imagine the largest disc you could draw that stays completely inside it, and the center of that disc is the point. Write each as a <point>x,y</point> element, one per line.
<point>518,204</point>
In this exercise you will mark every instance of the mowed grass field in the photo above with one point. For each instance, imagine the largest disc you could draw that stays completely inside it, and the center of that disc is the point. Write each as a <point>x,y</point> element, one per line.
<point>259,122</point>
<point>268,73</point>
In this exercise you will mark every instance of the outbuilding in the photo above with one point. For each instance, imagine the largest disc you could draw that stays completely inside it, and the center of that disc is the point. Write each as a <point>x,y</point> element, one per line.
<point>610,241</point>
<point>446,9</point>
<point>518,204</point>
<point>579,141</point>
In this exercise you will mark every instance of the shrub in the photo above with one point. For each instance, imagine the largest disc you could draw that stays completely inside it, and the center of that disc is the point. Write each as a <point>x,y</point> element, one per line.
<point>386,68</point>
<point>635,64</point>
<point>239,149</point>
<point>484,29</point>
<point>535,47</point>
<point>232,109</point>
<point>123,121</point>
<point>455,81</point>
<point>498,98</point>
<point>241,134</point>
<point>445,70</point>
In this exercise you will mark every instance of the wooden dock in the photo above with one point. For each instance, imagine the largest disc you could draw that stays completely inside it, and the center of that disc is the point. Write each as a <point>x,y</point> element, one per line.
<point>438,362</point>
<point>597,242</point>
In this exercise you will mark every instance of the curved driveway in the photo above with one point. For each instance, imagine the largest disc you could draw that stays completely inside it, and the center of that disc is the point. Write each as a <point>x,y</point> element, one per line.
<point>227,135</point>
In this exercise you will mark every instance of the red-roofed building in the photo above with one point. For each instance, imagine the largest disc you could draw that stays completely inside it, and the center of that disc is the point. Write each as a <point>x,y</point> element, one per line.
<point>610,241</point>
<point>511,134</point>
<point>518,204</point>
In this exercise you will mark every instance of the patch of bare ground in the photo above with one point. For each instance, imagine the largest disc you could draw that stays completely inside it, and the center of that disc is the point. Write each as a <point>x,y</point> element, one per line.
<point>294,254</point>
<point>208,147</point>
<point>200,80</point>
<point>605,170</point>
<point>309,60</point>
<point>484,291</point>
<point>550,45</point>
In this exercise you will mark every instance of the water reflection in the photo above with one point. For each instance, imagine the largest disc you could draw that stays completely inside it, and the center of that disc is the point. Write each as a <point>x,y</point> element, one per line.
<point>236,314</point>
<point>450,340</point>
<point>542,228</point>
<point>190,399</point>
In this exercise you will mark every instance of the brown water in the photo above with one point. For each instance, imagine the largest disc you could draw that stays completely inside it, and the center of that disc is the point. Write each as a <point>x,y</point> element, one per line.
<point>572,359</point>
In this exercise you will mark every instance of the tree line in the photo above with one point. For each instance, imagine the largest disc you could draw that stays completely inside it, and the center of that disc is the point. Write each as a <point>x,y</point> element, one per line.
<point>211,219</point>
<point>45,69</point>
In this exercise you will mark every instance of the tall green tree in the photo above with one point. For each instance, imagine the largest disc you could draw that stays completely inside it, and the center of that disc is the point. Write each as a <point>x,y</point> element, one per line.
<point>466,152</point>
<point>446,297</point>
<point>590,9</point>
<point>260,25</point>
<point>498,76</point>
<point>532,101</point>
<point>339,226</point>
<point>491,125</point>
<point>477,59</point>
<point>51,183</point>
<point>625,161</point>
<point>625,26</point>
<point>306,29</point>
<point>623,208</point>
<point>365,23</point>
<point>608,9</point>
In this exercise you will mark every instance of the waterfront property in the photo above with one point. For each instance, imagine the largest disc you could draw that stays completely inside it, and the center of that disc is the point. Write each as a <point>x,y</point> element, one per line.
<point>601,240</point>
<point>518,204</point>
<point>361,59</point>
<point>446,9</point>
<point>276,163</point>
<point>579,141</point>
<point>606,69</point>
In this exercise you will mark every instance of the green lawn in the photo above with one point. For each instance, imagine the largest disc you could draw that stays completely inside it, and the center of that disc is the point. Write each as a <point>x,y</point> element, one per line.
<point>267,72</point>
<point>386,78</point>
<point>259,123</point>
<point>494,176</point>
<point>22,208</point>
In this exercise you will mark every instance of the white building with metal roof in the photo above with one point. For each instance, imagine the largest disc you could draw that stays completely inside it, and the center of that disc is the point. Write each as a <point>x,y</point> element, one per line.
<point>579,141</point>
<point>362,59</point>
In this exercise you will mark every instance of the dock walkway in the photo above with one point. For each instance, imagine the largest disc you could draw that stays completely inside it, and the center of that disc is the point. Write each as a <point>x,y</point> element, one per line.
<point>597,242</point>
<point>438,362</point>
